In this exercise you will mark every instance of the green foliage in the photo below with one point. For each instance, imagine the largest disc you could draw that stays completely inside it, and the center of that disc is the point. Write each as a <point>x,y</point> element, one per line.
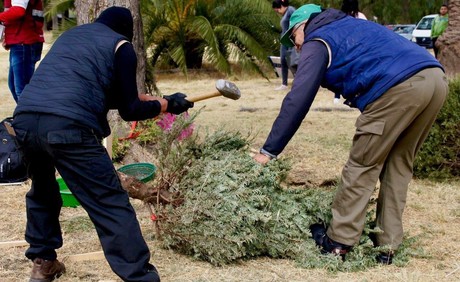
<point>385,12</point>
<point>149,131</point>
<point>119,149</point>
<point>173,152</point>
<point>54,7</point>
<point>223,33</point>
<point>233,208</point>
<point>232,35</point>
<point>439,156</point>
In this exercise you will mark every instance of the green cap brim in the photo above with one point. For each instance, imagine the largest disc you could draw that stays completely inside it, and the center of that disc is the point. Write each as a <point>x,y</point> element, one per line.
<point>302,14</point>
<point>285,40</point>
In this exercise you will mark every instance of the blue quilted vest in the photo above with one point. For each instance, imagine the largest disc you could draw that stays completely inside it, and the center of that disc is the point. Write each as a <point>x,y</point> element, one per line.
<point>74,78</point>
<point>367,60</point>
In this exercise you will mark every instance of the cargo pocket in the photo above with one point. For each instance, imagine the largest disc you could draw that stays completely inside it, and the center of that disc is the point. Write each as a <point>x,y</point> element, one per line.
<point>367,140</point>
<point>68,136</point>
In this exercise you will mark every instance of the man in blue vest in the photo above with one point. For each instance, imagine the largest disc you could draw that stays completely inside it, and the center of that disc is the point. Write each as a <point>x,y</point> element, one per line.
<point>60,122</point>
<point>399,89</point>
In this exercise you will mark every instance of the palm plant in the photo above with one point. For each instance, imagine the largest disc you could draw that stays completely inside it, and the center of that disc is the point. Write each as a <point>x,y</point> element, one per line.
<point>54,7</point>
<point>224,33</point>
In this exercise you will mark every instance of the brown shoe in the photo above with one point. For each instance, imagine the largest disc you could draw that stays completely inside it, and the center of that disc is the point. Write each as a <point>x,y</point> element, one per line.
<point>46,270</point>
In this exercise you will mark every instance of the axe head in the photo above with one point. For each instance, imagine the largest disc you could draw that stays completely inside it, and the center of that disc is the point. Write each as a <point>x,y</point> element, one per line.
<point>228,89</point>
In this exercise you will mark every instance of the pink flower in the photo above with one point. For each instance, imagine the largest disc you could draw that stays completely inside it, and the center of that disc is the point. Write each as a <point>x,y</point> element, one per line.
<point>166,123</point>
<point>186,132</point>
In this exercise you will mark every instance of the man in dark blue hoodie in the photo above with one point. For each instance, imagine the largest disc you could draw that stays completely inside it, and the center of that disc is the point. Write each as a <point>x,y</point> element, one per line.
<point>399,89</point>
<point>60,122</point>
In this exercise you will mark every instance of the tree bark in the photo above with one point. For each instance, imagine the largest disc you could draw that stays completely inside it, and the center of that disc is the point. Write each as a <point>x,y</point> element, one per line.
<point>88,10</point>
<point>449,41</point>
<point>147,193</point>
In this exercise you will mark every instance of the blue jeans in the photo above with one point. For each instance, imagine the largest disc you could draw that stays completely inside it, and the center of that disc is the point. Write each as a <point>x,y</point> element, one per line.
<point>23,58</point>
<point>284,65</point>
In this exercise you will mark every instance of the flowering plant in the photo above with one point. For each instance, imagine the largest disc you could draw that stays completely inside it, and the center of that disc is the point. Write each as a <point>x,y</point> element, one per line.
<point>166,124</point>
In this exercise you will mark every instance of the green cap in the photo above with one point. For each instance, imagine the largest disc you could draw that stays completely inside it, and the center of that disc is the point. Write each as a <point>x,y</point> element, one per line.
<point>300,15</point>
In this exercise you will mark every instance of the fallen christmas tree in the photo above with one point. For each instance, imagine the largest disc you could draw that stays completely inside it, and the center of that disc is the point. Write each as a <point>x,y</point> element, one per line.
<point>210,200</point>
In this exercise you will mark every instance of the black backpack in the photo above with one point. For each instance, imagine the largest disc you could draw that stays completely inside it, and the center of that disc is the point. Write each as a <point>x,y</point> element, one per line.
<point>12,168</point>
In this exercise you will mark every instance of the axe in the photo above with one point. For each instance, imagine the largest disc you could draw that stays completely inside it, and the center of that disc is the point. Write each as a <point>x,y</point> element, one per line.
<point>224,88</point>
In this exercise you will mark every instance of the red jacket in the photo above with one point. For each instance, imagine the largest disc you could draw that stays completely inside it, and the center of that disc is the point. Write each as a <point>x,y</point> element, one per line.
<point>23,25</point>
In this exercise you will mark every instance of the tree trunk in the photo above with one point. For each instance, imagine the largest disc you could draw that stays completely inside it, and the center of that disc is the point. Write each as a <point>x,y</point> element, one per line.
<point>87,12</point>
<point>449,41</point>
<point>147,193</point>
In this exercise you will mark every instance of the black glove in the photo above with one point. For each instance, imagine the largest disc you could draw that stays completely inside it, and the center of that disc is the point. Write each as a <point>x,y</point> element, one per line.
<point>177,103</point>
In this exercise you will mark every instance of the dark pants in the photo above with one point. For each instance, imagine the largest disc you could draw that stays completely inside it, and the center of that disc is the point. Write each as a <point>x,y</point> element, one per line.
<point>435,49</point>
<point>50,142</point>
<point>284,65</point>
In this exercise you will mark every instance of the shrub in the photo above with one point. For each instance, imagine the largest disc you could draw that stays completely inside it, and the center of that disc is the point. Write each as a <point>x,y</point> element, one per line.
<point>119,149</point>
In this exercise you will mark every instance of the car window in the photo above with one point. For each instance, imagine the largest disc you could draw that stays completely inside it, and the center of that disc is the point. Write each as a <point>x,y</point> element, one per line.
<point>404,29</point>
<point>425,23</point>
<point>398,29</point>
<point>408,29</point>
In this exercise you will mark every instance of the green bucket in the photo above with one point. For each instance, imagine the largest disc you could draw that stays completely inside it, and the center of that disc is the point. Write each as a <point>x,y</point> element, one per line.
<point>142,171</point>
<point>68,199</point>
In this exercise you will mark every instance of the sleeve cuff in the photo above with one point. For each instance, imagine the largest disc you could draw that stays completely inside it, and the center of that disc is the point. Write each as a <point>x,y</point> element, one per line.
<point>268,154</point>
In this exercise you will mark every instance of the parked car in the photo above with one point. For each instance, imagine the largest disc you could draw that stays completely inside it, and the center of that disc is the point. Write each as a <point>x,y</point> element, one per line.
<point>422,32</point>
<point>390,26</point>
<point>405,30</point>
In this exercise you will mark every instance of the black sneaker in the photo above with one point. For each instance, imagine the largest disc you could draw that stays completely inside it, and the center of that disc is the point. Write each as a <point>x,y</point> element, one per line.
<point>385,257</point>
<point>382,257</point>
<point>154,271</point>
<point>327,245</point>
<point>318,231</point>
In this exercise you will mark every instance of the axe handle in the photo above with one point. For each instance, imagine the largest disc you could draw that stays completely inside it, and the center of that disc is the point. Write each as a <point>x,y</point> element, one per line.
<point>203,97</point>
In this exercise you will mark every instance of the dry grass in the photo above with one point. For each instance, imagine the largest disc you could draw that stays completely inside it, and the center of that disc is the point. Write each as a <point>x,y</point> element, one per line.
<point>319,150</point>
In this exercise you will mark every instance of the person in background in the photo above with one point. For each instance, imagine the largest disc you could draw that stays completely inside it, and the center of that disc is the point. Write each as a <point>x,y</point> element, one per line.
<point>23,21</point>
<point>282,8</point>
<point>60,122</point>
<point>351,8</point>
<point>440,23</point>
<point>399,89</point>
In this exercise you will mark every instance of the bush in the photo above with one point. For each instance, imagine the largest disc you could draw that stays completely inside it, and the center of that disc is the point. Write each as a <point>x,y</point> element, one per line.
<point>439,156</point>
<point>233,209</point>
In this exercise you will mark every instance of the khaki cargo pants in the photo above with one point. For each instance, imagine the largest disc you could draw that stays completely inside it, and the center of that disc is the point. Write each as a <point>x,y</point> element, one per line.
<point>388,135</point>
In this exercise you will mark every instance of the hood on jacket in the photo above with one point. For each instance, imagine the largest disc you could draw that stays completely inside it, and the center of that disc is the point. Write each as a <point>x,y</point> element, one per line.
<point>119,19</point>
